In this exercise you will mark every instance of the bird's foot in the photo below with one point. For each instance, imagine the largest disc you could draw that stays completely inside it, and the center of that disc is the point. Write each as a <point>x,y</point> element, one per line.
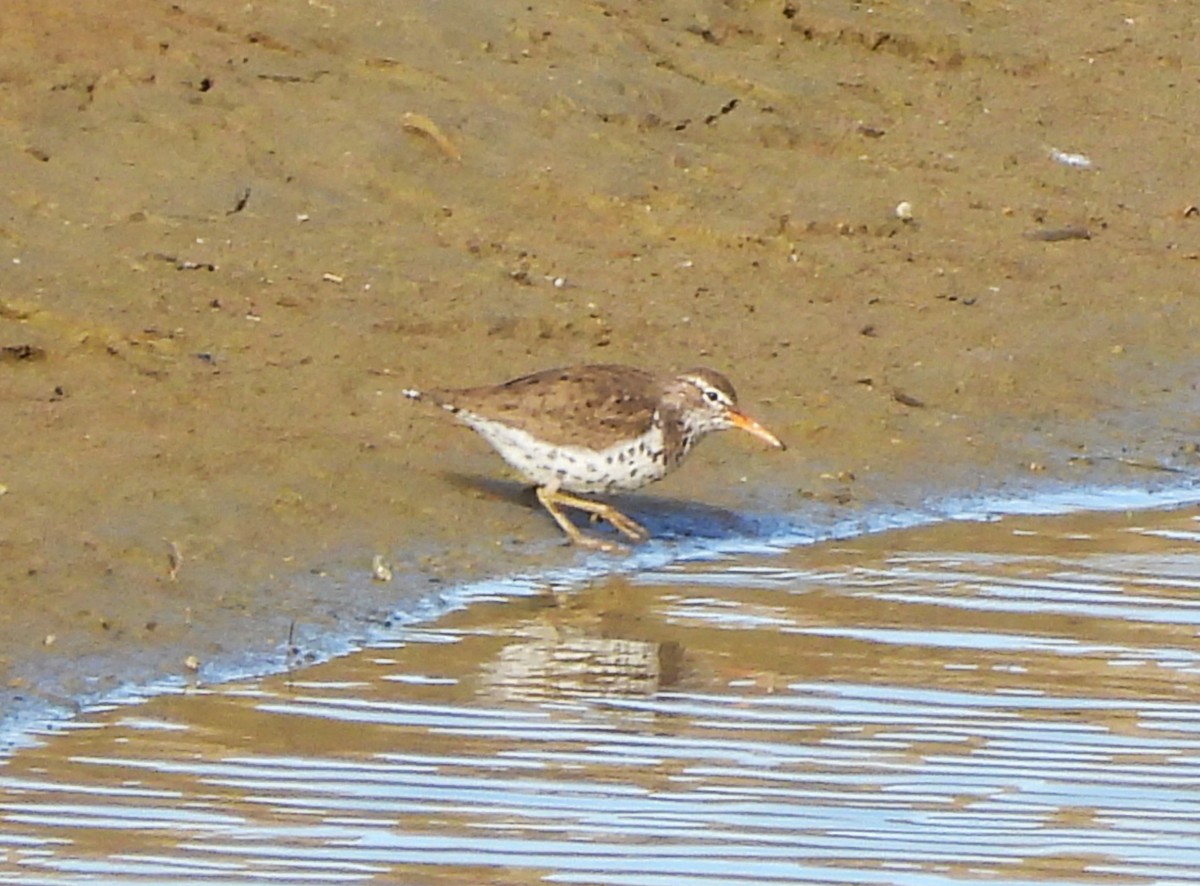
<point>627,526</point>
<point>598,544</point>
<point>631,529</point>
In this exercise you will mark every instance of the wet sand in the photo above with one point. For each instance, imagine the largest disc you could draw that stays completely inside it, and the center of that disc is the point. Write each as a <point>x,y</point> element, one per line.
<point>232,233</point>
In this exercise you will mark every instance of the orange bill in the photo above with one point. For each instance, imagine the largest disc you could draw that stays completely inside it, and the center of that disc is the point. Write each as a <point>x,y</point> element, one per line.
<point>746,423</point>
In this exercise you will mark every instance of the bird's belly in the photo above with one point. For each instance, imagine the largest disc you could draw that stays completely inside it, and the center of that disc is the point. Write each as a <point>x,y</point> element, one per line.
<point>624,466</point>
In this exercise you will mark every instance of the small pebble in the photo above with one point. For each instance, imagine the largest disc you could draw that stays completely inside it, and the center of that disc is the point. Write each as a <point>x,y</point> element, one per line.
<point>904,211</point>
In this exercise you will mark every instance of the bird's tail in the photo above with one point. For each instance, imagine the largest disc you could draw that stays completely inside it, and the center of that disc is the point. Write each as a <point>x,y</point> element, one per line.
<point>433,397</point>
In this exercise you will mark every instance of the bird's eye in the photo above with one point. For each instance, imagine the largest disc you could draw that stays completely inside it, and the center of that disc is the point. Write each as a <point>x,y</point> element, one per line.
<point>713,396</point>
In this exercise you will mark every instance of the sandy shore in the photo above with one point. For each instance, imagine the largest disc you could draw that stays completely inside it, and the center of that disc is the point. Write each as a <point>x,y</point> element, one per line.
<point>233,232</point>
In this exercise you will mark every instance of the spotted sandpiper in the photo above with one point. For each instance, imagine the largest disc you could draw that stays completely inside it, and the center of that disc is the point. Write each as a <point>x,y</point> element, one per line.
<point>597,428</point>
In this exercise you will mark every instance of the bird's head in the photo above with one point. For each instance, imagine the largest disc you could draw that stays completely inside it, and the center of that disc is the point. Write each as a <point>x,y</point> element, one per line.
<point>709,403</point>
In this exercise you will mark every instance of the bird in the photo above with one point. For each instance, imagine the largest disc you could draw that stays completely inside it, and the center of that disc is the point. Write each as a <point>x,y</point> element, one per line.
<point>597,428</point>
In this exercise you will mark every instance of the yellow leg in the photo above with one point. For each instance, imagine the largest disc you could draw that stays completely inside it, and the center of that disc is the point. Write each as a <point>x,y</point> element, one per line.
<point>552,498</point>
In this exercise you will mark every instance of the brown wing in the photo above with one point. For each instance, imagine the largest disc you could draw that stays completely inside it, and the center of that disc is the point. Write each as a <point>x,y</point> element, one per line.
<point>594,406</point>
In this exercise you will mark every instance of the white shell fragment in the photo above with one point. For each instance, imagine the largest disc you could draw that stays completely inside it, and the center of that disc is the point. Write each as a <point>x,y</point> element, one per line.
<point>904,211</point>
<point>380,569</point>
<point>1078,161</point>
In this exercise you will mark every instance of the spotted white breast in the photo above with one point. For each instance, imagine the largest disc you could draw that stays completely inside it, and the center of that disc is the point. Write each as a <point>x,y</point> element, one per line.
<point>627,465</point>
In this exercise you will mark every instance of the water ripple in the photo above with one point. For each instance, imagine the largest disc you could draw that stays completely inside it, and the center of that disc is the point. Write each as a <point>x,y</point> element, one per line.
<point>1014,701</point>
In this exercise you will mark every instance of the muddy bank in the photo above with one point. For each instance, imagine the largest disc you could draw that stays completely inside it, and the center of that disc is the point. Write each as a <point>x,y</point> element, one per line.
<point>232,233</point>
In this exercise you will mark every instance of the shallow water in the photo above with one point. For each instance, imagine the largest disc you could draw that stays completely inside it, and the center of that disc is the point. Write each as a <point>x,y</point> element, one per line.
<point>1014,701</point>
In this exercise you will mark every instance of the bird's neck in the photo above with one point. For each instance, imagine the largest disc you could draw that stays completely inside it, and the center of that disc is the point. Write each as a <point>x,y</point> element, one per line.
<point>680,433</point>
